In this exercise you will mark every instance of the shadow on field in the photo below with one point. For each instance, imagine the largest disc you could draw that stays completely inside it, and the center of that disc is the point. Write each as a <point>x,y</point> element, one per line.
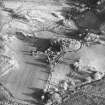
<point>23,37</point>
<point>28,54</point>
<point>40,44</point>
<point>36,95</point>
<point>46,71</point>
<point>37,64</point>
<point>44,60</point>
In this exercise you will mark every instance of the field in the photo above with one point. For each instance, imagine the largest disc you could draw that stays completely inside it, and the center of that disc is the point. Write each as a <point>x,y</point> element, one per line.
<point>23,75</point>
